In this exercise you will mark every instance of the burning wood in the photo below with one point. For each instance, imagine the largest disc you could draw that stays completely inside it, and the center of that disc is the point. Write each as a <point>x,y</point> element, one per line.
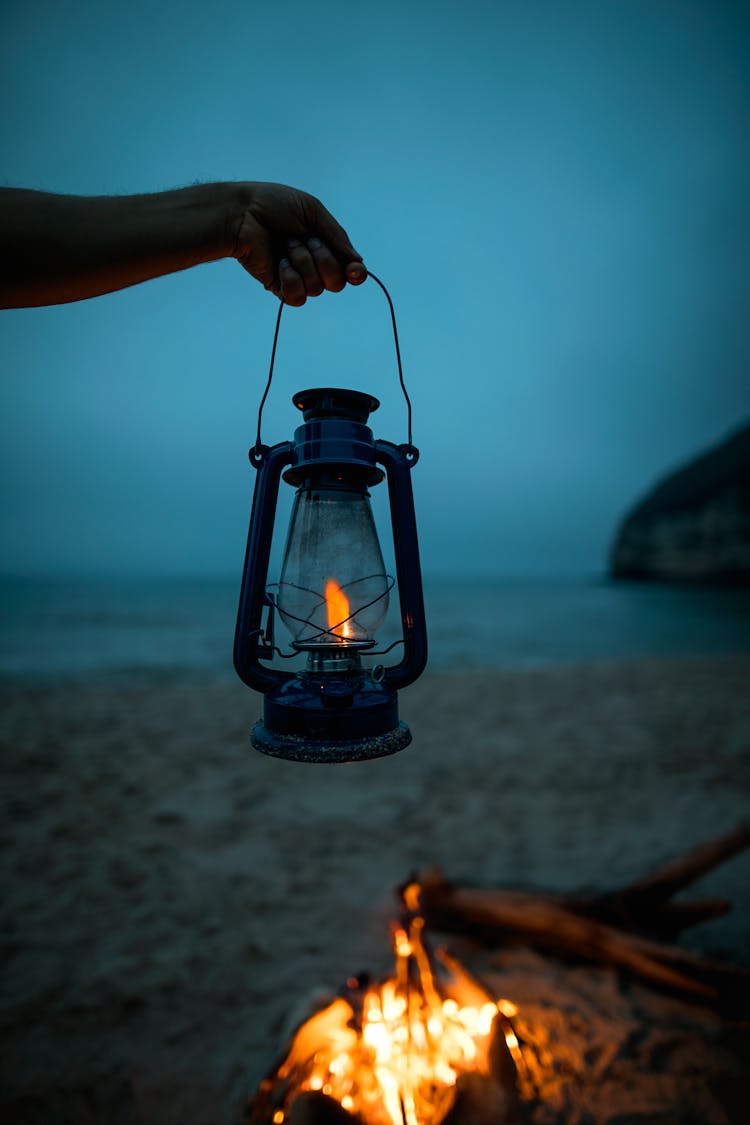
<point>432,1045</point>
<point>426,1046</point>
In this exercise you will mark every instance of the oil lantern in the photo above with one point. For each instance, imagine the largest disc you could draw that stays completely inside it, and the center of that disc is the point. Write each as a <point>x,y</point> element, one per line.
<point>333,591</point>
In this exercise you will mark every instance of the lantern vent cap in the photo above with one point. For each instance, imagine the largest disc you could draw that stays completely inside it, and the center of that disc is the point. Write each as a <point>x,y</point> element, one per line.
<point>335,402</point>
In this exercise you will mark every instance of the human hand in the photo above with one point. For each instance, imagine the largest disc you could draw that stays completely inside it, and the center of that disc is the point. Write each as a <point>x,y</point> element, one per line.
<point>290,243</point>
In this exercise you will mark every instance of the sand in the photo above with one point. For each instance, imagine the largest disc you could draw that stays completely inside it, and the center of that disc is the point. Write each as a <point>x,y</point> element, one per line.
<point>171,897</point>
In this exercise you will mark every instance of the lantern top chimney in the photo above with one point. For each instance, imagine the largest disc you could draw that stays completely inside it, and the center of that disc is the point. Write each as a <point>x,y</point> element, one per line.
<point>335,402</point>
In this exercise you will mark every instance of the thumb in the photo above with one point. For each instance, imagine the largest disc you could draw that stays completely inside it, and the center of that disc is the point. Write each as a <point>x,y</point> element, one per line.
<point>335,237</point>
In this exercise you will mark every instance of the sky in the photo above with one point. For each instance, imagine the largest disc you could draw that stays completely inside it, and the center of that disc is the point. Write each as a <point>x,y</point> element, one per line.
<point>556,194</point>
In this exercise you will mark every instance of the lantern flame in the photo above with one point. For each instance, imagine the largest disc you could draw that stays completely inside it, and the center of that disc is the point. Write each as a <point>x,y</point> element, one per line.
<point>393,1052</point>
<point>337,610</point>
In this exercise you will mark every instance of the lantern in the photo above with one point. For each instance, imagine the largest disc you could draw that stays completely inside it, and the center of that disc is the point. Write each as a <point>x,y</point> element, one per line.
<point>333,592</point>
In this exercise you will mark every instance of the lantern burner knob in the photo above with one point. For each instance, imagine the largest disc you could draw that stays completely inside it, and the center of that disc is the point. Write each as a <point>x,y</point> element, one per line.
<point>335,402</point>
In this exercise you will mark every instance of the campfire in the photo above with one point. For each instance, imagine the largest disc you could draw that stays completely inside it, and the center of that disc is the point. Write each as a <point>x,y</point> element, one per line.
<point>412,1049</point>
<point>433,1045</point>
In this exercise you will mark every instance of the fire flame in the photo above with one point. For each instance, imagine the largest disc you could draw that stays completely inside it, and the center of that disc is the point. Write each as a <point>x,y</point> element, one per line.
<point>337,610</point>
<point>393,1052</point>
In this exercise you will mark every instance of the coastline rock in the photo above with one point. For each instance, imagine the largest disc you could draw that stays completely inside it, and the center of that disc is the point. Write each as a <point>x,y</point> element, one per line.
<point>694,526</point>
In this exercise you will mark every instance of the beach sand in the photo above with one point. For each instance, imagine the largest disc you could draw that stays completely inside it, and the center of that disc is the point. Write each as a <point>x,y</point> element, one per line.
<point>171,897</point>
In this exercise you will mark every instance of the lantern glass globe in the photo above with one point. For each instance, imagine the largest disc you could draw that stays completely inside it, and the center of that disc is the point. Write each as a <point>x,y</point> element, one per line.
<point>333,589</point>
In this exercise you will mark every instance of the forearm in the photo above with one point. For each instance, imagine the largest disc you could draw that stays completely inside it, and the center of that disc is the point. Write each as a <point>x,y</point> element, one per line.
<point>60,248</point>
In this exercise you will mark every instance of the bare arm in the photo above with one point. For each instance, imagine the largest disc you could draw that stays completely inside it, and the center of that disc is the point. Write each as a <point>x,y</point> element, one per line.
<point>60,248</point>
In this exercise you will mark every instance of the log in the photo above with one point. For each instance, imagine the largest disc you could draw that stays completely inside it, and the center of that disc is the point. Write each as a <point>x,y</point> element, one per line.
<point>643,906</point>
<point>613,929</point>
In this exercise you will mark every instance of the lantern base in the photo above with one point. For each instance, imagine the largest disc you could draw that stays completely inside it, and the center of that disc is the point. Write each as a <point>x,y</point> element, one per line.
<point>330,718</point>
<point>297,748</point>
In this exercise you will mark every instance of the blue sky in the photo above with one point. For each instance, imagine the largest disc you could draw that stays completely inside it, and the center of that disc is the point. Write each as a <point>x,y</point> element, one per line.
<point>555,193</point>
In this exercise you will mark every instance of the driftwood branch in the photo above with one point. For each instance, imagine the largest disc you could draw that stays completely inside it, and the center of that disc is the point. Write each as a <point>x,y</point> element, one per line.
<point>623,928</point>
<point>644,906</point>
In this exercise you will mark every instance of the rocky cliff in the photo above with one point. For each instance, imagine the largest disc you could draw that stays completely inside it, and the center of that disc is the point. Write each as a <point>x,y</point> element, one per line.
<point>694,526</point>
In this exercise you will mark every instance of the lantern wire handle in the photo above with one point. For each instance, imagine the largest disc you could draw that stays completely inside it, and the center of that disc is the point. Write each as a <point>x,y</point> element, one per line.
<point>398,351</point>
<point>258,443</point>
<point>257,451</point>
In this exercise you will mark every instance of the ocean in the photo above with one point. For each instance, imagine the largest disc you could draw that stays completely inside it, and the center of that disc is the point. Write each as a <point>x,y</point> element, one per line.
<point>82,627</point>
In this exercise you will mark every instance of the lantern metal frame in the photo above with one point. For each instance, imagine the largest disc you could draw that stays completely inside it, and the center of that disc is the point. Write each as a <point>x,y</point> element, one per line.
<point>335,710</point>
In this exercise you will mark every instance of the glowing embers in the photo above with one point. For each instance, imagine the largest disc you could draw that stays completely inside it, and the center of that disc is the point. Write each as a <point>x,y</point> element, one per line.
<point>410,1050</point>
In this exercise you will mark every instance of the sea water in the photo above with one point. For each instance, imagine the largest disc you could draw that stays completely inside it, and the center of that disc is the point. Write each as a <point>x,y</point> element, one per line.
<point>80,627</point>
